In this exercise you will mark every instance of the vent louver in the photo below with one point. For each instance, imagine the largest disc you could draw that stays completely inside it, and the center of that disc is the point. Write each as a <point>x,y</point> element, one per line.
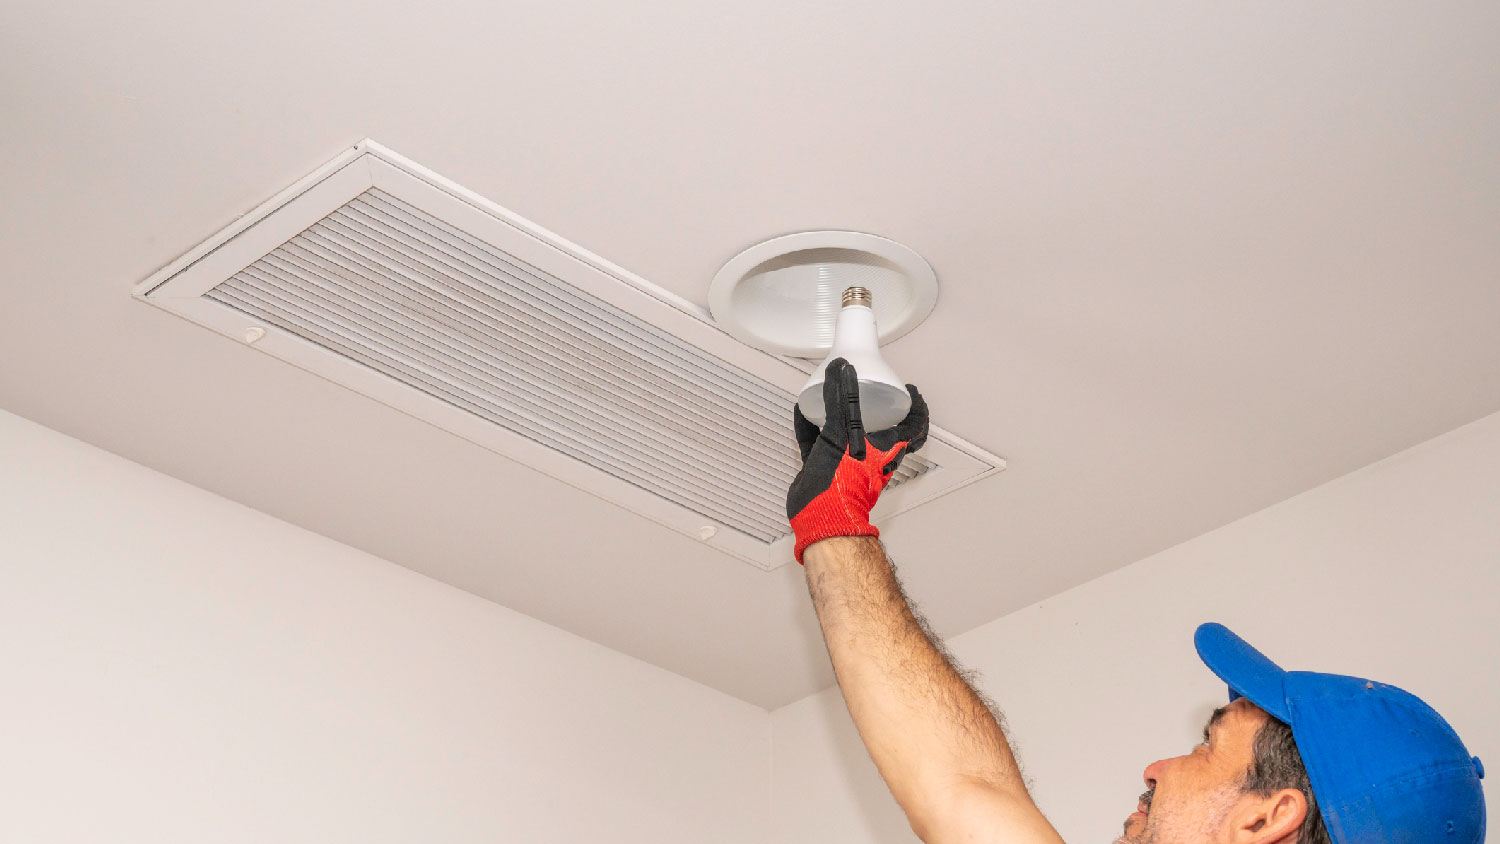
<point>385,278</point>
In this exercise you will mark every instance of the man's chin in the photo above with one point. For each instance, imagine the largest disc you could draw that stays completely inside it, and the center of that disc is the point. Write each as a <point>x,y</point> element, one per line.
<point>1134,831</point>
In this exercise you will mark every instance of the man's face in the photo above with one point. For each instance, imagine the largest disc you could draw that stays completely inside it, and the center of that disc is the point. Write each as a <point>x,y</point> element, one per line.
<point>1189,798</point>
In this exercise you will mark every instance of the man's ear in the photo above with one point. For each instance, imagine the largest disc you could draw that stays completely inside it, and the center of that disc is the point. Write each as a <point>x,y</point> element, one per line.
<point>1276,819</point>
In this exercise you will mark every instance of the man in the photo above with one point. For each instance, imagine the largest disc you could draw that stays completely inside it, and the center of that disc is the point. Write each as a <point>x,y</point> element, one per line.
<point>1295,758</point>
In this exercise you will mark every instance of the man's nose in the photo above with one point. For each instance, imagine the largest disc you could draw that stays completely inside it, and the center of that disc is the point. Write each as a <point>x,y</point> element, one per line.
<point>1153,772</point>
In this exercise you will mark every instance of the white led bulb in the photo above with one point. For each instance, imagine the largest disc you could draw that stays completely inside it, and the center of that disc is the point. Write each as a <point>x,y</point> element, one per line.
<point>883,399</point>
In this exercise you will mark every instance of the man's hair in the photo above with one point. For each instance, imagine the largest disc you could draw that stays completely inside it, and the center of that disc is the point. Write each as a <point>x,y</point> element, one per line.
<point>1278,765</point>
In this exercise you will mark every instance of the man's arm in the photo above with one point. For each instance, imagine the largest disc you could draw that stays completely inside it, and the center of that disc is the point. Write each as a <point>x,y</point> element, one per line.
<point>938,746</point>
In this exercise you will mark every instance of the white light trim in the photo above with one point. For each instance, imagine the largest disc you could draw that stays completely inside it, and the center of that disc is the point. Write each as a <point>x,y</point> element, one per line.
<point>783,295</point>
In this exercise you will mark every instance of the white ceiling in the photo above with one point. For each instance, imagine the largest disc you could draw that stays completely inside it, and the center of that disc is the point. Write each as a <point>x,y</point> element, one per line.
<point>1194,259</point>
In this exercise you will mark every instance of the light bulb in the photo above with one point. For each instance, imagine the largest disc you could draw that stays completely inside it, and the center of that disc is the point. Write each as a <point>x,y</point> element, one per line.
<point>883,399</point>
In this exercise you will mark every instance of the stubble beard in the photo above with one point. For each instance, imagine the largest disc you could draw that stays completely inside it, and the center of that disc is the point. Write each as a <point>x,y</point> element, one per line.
<point>1204,824</point>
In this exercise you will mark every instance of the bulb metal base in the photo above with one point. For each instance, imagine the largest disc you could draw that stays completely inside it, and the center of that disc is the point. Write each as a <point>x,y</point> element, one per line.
<point>858,296</point>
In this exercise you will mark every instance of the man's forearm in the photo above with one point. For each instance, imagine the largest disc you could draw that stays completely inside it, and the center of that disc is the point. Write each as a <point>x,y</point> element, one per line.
<point>929,732</point>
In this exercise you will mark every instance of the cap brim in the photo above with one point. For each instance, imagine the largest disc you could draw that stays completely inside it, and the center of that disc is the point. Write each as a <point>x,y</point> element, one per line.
<point>1246,671</point>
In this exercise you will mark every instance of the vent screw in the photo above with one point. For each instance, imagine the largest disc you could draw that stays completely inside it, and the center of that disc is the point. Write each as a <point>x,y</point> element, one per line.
<point>707,532</point>
<point>254,333</point>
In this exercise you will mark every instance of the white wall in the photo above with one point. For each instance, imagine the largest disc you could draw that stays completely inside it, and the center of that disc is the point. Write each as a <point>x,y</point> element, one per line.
<point>176,667</point>
<point>1392,572</point>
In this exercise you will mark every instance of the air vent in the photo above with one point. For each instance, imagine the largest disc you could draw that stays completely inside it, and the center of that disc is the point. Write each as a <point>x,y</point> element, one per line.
<point>389,280</point>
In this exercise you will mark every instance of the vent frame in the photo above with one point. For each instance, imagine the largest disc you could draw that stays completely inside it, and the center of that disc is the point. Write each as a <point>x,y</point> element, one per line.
<point>180,288</point>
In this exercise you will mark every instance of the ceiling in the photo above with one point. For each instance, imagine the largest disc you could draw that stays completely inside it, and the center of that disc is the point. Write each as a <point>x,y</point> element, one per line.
<point>1193,260</point>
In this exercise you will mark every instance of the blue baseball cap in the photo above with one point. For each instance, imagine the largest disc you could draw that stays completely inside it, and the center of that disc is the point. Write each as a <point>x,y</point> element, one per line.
<point>1384,767</point>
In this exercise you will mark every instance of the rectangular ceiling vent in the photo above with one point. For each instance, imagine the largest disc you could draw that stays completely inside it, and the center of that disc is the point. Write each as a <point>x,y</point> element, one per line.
<point>392,281</point>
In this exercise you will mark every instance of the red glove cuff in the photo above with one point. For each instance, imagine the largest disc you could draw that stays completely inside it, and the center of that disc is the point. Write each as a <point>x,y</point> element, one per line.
<point>844,508</point>
<point>814,531</point>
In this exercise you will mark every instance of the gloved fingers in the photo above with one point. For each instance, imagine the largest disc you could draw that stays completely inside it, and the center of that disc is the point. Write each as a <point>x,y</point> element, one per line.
<point>854,419</point>
<point>895,461</point>
<point>807,432</point>
<point>913,429</point>
<point>835,408</point>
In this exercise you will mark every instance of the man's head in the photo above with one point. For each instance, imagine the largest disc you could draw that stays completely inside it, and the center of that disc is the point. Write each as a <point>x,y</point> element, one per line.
<point>1244,784</point>
<point>1311,758</point>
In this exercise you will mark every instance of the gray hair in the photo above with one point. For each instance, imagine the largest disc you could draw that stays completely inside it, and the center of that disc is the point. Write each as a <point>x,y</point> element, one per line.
<point>1278,765</point>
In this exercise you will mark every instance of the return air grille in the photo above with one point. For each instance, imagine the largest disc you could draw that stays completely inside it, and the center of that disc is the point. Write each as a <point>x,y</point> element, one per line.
<point>386,278</point>
<point>397,290</point>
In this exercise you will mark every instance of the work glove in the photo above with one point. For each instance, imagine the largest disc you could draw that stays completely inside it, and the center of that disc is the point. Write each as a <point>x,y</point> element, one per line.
<point>843,468</point>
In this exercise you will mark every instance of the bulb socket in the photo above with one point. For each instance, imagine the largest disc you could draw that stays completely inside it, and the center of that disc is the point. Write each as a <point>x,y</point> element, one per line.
<point>858,296</point>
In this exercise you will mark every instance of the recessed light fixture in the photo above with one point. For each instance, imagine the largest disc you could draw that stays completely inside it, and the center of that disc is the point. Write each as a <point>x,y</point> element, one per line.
<point>829,294</point>
<point>785,294</point>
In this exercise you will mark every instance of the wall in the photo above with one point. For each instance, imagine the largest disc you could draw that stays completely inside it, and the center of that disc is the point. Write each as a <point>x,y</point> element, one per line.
<point>1392,573</point>
<point>176,667</point>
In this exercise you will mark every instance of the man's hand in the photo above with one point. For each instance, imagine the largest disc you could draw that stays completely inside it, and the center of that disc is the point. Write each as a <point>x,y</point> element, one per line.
<point>843,468</point>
